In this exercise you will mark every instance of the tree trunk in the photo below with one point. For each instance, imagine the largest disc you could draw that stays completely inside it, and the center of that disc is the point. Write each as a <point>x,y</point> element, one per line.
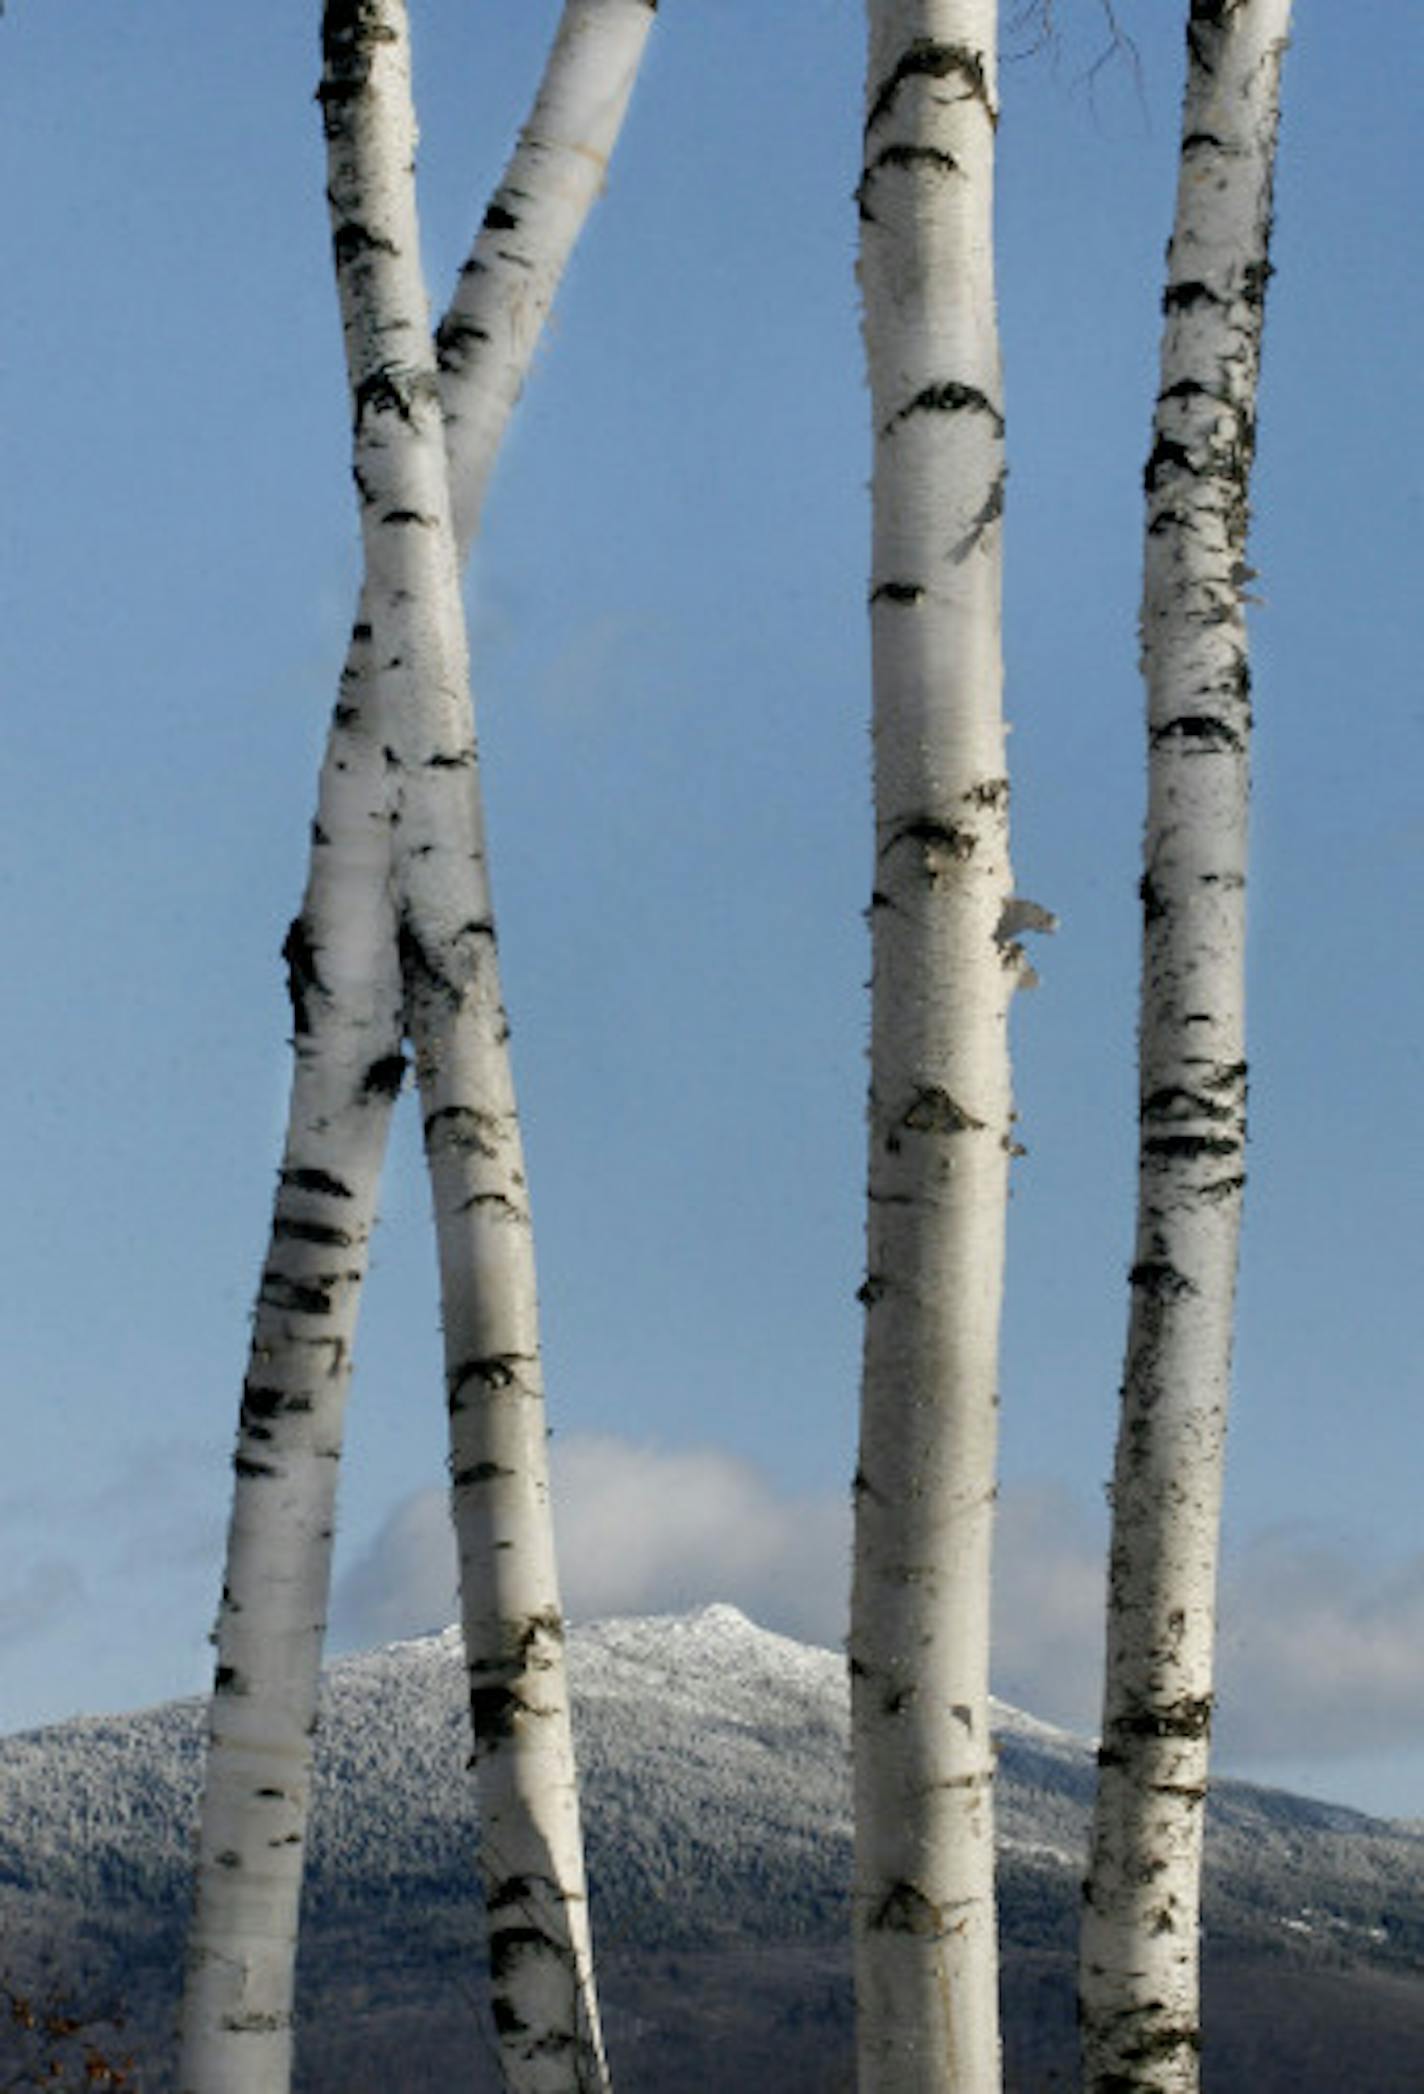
<point>488,337</point>
<point>348,1020</point>
<point>944,969</point>
<point>541,1973</point>
<point>1139,1975</point>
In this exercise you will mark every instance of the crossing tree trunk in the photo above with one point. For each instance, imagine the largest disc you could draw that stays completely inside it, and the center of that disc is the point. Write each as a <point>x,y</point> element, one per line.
<point>1139,1976</point>
<point>349,1005</point>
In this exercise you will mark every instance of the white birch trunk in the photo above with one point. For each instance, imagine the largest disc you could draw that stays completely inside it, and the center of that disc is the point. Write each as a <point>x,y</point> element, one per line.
<point>1139,1976</point>
<point>531,1852</point>
<point>944,970</point>
<point>488,337</point>
<point>348,1022</point>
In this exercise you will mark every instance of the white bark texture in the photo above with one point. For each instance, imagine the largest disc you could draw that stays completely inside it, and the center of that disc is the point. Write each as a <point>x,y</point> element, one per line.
<point>944,968</point>
<point>487,338</point>
<point>1140,1944</point>
<point>348,1018</point>
<point>541,1973</point>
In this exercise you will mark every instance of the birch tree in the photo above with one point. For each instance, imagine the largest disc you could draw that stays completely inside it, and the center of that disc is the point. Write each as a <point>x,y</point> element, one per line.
<point>945,963</point>
<point>1139,1968</point>
<point>355,988</point>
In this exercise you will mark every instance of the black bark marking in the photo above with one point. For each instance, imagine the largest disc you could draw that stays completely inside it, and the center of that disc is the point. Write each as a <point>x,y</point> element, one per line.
<point>898,592</point>
<point>255,2024</point>
<point>1188,1148</point>
<point>905,1910</point>
<point>300,1297</point>
<point>420,969</point>
<point>1180,298</point>
<point>285,1230</point>
<point>467,1128</point>
<point>497,1371</point>
<point>1176,1101</point>
<point>939,840</point>
<point>1201,731</point>
<point>244,1465</point>
<point>351,240</point>
<point>392,389</point>
<point>493,1200</point>
<point>1255,277</point>
<point>1189,1719</point>
<point>989,793</point>
<point>1167,456</point>
<point>949,398</point>
<point>480,1472</point>
<point>914,156</point>
<point>306,1179</point>
<point>349,29</point>
<point>901,156</point>
<point>1153,906</point>
<point>933,1111</point>
<point>384,1076</point>
<point>456,337</point>
<point>460,760</point>
<point>262,1403</point>
<point>926,59</point>
<point>510,1944</point>
<point>494,1711</point>
<point>303,977</point>
<point>498,220</point>
<point>228,1680</point>
<point>1160,1279</point>
<point>1193,389</point>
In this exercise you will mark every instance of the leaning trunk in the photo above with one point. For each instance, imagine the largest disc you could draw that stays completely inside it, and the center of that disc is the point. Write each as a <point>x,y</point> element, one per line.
<point>1139,1970</point>
<point>348,1022</point>
<point>944,968</point>
<point>540,1965</point>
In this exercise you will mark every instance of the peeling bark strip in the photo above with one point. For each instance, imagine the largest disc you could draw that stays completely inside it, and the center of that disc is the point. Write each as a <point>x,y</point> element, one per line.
<point>347,1020</point>
<point>940,1105</point>
<point>1139,1978</point>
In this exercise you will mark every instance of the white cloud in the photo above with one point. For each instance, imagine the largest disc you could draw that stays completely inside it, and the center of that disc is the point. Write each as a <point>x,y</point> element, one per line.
<point>405,1583</point>
<point>1050,1583</point>
<point>1322,1658</point>
<point>642,1530</point>
<point>1321,1652</point>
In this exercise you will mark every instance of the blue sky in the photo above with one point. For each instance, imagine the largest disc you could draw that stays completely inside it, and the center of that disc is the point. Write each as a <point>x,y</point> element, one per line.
<point>671,676</point>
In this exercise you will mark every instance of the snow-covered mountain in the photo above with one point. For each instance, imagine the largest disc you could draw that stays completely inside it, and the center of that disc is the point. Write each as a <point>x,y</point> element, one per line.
<point>717,1810</point>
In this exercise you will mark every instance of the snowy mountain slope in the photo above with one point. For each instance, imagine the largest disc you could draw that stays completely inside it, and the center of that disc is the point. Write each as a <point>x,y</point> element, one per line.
<point>717,1804</point>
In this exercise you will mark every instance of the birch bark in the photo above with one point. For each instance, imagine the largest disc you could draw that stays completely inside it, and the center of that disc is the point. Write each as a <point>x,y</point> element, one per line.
<point>531,1851</point>
<point>944,968</point>
<point>1139,1977</point>
<point>348,1022</point>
